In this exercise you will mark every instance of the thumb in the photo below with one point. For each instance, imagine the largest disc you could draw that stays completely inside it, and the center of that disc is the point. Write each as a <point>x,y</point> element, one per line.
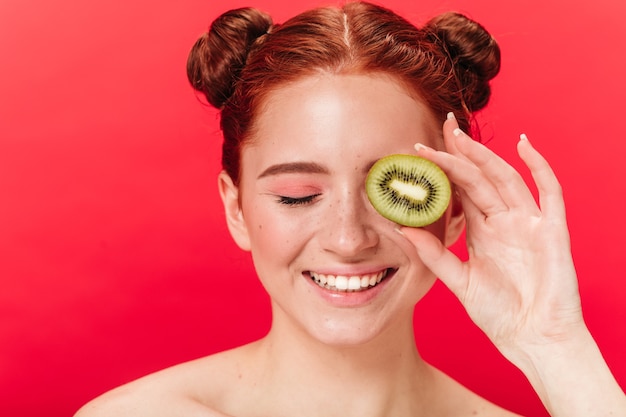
<point>439,259</point>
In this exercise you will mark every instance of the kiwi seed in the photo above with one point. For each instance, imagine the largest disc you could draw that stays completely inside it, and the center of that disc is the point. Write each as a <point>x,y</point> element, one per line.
<point>408,190</point>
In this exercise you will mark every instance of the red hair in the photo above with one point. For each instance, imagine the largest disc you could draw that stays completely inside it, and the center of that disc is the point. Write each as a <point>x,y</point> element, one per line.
<point>448,62</point>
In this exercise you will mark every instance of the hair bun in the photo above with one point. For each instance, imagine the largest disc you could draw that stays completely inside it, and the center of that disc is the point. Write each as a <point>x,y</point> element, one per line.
<point>217,57</point>
<point>474,52</point>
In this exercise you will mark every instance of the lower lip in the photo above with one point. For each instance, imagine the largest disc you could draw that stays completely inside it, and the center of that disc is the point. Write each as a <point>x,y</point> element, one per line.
<point>350,299</point>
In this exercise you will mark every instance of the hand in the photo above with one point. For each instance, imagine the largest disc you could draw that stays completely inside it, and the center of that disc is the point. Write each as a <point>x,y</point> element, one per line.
<point>519,284</point>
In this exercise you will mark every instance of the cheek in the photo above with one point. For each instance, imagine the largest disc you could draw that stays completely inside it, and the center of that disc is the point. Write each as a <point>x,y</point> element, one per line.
<point>274,236</point>
<point>439,227</point>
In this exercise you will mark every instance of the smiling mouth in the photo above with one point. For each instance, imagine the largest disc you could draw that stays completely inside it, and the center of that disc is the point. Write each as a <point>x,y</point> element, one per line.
<point>345,283</point>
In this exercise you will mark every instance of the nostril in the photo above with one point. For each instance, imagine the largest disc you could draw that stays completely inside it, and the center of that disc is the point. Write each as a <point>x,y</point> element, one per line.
<point>350,238</point>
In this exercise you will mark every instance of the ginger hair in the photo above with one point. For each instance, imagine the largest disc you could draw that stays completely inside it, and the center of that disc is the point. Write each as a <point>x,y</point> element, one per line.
<point>448,62</point>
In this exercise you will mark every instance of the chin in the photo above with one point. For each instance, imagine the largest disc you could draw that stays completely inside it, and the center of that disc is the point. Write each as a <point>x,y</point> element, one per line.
<point>343,333</point>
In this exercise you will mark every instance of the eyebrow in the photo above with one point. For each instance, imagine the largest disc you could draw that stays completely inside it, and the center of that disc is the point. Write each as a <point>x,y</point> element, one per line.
<point>302,168</point>
<point>294,168</point>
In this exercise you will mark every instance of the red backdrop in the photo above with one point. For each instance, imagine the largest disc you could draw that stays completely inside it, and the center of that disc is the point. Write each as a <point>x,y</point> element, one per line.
<point>114,257</point>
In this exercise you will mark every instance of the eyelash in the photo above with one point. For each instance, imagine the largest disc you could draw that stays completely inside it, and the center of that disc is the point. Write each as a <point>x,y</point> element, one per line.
<point>293,201</point>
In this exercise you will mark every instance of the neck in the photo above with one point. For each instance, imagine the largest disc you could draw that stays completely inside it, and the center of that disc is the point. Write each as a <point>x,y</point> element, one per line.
<point>374,377</point>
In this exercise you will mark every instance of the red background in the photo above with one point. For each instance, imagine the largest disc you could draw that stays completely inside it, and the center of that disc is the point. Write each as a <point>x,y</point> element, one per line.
<point>114,257</point>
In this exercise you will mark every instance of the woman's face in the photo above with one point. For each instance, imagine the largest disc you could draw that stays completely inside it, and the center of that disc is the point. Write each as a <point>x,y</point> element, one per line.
<point>332,265</point>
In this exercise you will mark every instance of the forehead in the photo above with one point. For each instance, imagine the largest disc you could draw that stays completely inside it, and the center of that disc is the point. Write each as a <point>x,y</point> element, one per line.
<point>329,115</point>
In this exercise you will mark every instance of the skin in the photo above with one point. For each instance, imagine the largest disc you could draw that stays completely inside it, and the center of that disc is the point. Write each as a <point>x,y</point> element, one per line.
<point>353,354</point>
<point>519,285</point>
<point>342,128</point>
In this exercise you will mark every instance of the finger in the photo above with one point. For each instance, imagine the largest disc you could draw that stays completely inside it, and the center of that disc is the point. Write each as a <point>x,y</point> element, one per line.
<point>449,125</point>
<point>508,182</point>
<point>441,261</point>
<point>469,178</point>
<point>548,186</point>
<point>472,213</point>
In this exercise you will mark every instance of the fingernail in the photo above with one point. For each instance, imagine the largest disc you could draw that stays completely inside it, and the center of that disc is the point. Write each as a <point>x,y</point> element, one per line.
<point>457,132</point>
<point>451,116</point>
<point>523,136</point>
<point>397,230</point>
<point>418,147</point>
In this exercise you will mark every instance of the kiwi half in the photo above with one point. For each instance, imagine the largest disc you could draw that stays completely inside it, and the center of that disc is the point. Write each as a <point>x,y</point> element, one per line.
<point>408,190</point>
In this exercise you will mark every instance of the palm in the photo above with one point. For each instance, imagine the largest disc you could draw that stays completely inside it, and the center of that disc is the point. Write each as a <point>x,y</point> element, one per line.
<point>519,284</point>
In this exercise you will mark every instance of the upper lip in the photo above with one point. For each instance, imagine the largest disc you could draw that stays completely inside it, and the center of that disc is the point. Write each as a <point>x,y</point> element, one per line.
<point>350,271</point>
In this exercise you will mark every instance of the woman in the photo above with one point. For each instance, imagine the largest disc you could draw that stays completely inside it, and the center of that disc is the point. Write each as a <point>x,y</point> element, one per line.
<point>306,108</point>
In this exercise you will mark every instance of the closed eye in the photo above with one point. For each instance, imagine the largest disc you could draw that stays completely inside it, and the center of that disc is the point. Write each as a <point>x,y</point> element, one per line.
<point>296,201</point>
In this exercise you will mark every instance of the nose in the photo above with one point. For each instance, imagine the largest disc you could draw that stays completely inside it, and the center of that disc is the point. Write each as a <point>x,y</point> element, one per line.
<point>347,228</point>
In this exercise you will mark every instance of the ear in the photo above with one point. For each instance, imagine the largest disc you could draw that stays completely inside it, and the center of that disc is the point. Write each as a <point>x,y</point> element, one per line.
<point>456,222</point>
<point>232,208</point>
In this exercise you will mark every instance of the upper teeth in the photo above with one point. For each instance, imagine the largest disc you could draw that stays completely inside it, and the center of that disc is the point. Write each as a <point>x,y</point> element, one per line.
<point>348,283</point>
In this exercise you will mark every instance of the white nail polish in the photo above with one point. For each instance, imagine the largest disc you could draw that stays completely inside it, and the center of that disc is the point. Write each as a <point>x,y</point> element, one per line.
<point>457,132</point>
<point>451,116</point>
<point>523,136</point>
<point>418,147</point>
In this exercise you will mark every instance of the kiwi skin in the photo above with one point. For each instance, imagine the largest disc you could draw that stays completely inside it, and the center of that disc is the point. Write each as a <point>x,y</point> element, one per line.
<point>392,178</point>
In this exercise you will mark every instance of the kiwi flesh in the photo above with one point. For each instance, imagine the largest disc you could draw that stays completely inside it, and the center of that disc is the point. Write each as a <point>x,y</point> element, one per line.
<point>407,189</point>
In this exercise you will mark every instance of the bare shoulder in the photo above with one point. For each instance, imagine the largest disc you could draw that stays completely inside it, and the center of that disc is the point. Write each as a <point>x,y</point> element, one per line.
<point>192,389</point>
<point>214,386</point>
